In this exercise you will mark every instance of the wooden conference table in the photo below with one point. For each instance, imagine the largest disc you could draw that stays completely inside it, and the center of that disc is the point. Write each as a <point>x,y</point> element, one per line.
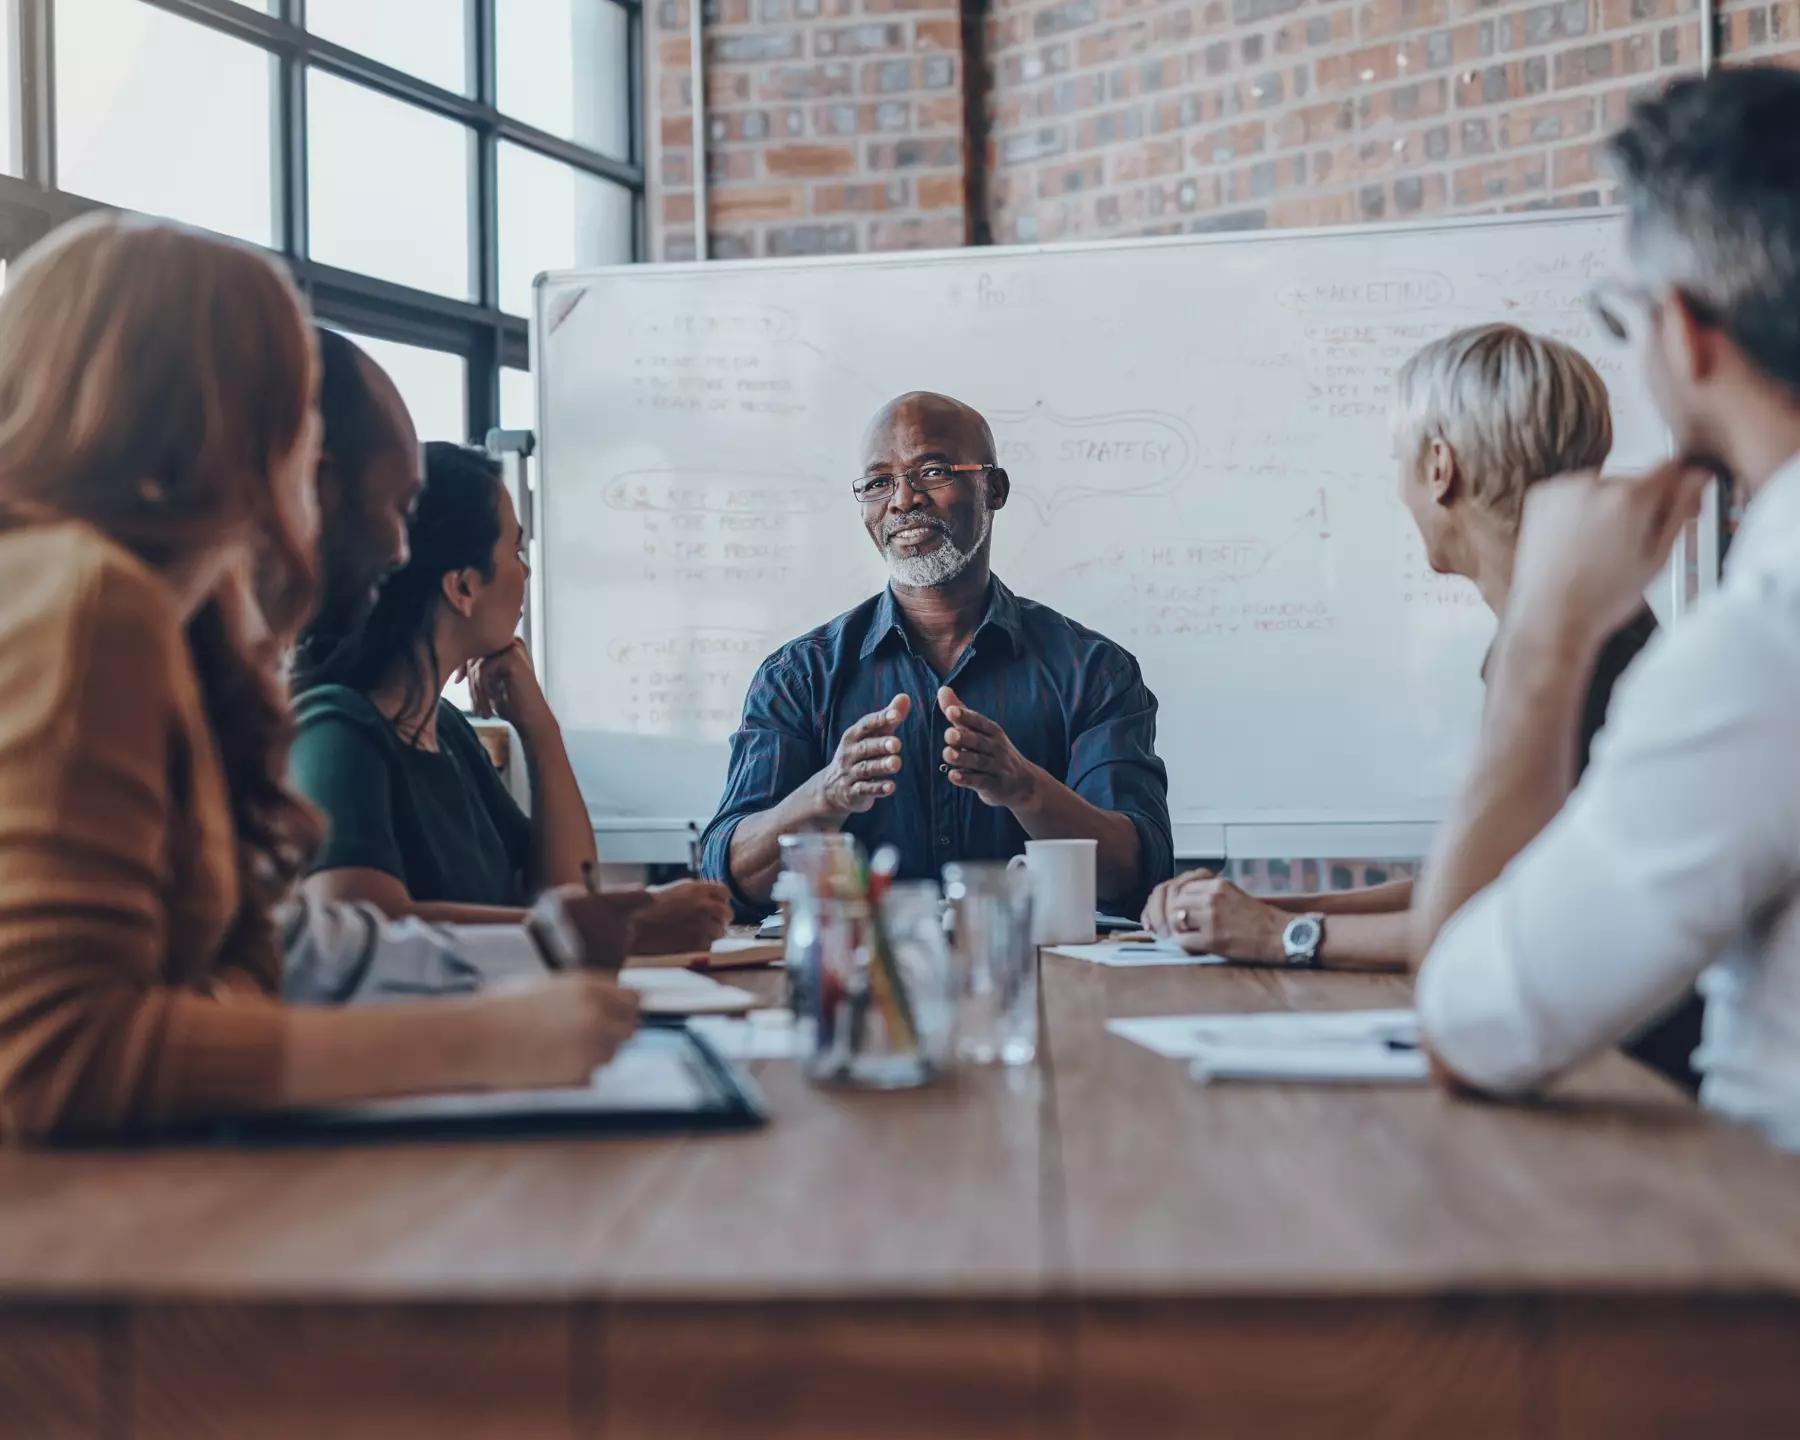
<point>1098,1248</point>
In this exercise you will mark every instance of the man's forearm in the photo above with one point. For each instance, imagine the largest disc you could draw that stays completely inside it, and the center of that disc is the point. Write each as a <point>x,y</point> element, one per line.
<point>1366,940</point>
<point>1386,899</point>
<point>1523,771</point>
<point>755,854</point>
<point>1055,812</point>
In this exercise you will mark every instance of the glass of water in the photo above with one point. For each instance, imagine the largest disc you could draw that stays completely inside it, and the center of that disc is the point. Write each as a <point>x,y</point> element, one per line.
<point>996,963</point>
<point>913,914</point>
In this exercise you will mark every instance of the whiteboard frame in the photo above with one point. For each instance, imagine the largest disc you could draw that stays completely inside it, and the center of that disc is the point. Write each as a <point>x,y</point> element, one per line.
<point>664,840</point>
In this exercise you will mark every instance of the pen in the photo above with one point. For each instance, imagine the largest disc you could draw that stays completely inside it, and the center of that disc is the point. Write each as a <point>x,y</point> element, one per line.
<point>888,984</point>
<point>693,850</point>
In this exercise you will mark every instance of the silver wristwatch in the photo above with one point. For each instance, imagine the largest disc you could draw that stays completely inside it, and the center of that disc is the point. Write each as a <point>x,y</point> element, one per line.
<point>1302,938</point>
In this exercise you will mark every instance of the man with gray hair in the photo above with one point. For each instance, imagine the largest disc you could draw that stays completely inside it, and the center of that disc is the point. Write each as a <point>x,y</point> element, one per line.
<point>1552,922</point>
<point>945,716</point>
<point>1480,416</point>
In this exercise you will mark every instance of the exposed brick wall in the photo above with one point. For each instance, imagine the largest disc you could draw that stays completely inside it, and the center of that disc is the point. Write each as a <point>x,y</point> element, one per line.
<point>1760,30</point>
<point>832,126</point>
<point>1131,117</point>
<point>838,125</point>
<point>1310,877</point>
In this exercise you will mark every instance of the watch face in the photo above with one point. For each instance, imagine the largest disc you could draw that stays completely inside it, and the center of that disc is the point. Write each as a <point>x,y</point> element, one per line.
<point>1302,936</point>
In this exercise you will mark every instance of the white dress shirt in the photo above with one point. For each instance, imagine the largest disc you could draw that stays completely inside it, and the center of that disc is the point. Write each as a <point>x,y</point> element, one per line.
<point>1678,856</point>
<point>334,953</point>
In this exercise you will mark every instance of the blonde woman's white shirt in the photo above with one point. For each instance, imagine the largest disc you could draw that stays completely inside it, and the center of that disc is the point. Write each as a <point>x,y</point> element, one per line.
<point>1676,858</point>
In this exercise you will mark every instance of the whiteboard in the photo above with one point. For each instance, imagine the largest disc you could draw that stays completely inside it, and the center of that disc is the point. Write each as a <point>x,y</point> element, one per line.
<point>1198,436</point>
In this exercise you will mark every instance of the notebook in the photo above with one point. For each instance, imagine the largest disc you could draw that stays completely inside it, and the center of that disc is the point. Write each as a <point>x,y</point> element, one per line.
<point>684,992</point>
<point>732,953</point>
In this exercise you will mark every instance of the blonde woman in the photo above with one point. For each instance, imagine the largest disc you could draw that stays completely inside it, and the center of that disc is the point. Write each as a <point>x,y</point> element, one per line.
<point>158,437</point>
<point>1480,416</point>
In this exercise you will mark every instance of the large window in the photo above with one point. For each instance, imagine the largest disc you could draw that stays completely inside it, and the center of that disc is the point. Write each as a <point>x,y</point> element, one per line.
<point>416,162</point>
<point>127,136</point>
<point>434,384</point>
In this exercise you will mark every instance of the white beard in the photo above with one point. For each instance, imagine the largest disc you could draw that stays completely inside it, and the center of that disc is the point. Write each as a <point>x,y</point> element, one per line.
<point>940,566</point>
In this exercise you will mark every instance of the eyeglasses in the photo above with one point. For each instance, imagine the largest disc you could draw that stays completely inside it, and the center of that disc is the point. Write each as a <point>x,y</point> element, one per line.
<point>1612,304</point>
<point>932,475</point>
<point>1616,305</point>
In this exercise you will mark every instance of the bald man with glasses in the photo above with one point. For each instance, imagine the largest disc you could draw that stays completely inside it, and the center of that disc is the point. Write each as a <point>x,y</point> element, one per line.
<point>945,716</point>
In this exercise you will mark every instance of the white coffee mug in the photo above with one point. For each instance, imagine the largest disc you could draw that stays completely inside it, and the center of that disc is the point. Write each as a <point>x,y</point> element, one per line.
<point>1062,889</point>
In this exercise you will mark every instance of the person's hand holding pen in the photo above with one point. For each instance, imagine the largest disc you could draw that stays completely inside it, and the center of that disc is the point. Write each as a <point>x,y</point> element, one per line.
<point>584,927</point>
<point>581,927</point>
<point>688,915</point>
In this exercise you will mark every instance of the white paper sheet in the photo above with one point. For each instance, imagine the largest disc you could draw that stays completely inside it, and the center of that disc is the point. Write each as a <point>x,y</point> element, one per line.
<point>1340,1063</point>
<point>1183,1037</point>
<point>1136,953</point>
<point>765,1035</point>
<point>640,1078</point>
<point>650,1072</point>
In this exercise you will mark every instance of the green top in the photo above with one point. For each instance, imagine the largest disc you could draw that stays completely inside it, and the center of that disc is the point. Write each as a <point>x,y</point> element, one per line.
<point>441,821</point>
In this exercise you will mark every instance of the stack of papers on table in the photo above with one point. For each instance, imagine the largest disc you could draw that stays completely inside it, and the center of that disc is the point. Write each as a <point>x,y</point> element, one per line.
<point>1350,1045</point>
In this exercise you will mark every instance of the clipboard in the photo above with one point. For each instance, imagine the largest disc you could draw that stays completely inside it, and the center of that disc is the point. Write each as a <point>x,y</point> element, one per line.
<point>666,1078</point>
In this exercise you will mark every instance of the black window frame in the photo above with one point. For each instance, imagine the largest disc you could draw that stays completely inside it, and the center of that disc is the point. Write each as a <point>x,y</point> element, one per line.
<point>485,336</point>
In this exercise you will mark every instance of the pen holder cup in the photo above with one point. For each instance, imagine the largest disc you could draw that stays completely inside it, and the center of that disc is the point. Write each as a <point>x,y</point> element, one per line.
<point>872,990</point>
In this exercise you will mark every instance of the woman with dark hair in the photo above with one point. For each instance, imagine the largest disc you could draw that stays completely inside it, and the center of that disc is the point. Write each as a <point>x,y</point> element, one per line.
<point>420,823</point>
<point>158,436</point>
